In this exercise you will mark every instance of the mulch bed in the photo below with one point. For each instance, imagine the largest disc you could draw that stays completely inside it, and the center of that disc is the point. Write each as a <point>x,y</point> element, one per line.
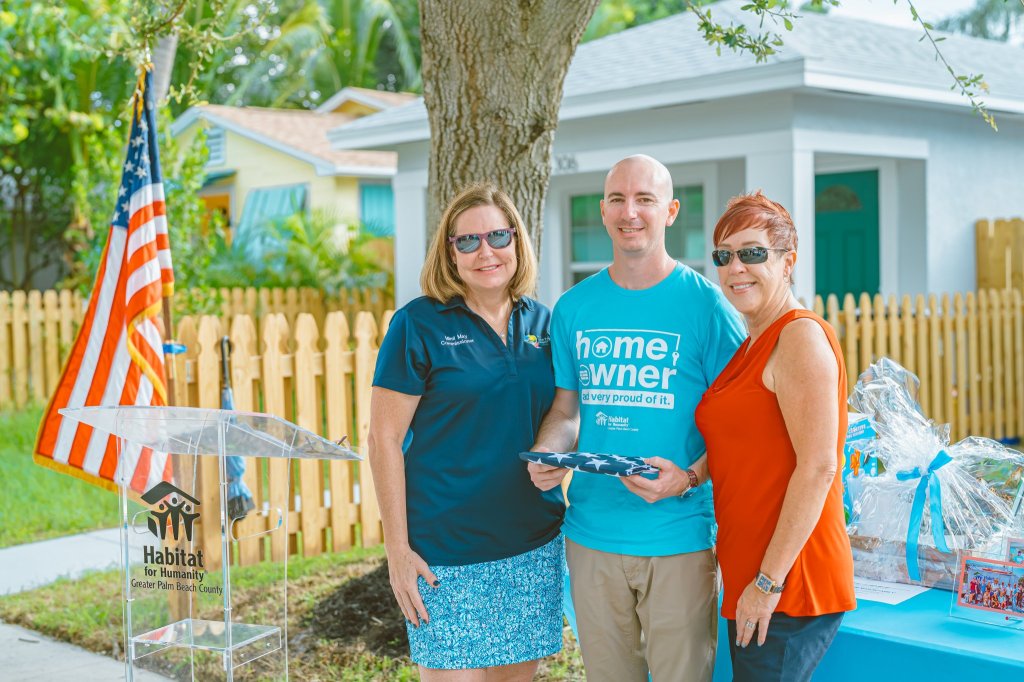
<point>362,609</point>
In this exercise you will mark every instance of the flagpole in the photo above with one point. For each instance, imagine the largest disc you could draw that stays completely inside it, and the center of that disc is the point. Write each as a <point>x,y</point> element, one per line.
<point>178,603</point>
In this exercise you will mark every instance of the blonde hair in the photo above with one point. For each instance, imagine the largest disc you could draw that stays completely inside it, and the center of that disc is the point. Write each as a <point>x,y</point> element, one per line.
<point>440,279</point>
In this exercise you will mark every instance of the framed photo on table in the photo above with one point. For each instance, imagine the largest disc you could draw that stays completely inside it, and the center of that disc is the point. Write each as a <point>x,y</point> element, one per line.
<point>990,589</point>
<point>1015,550</point>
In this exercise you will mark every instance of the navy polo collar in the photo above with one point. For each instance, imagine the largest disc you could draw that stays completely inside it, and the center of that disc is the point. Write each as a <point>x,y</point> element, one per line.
<point>459,302</point>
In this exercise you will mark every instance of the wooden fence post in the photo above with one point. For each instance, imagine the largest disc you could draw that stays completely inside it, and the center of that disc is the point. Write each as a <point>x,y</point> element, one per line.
<point>51,342</point>
<point>208,394</point>
<point>6,388</point>
<point>366,356</point>
<point>311,493</point>
<point>1018,352</point>
<point>881,329</point>
<point>244,371</point>
<point>274,331</point>
<point>338,371</point>
<point>865,333</point>
<point>923,356</point>
<point>850,348</point>
<point>1010,361</point>
<point>34,319</point>
<point>948,357</point>
<point>998,368</point>
<point>985,363</point>
<point>70,319</point>
<point>963,379</point>
<point>907,323</point>
<point>893,318</point>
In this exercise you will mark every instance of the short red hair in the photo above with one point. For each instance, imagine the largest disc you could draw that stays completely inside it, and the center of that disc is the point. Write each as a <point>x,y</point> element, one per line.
<point>760,213</point>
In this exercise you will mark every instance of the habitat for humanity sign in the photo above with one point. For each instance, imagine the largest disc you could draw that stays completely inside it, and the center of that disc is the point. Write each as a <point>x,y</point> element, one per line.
<point>627,367</point>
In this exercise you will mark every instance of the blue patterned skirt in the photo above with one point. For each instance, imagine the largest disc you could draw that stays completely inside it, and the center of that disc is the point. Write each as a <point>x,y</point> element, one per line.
<point>493,613</point>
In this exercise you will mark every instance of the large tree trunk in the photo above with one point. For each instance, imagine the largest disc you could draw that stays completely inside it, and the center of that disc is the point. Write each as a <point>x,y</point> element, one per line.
<point>492,83</point>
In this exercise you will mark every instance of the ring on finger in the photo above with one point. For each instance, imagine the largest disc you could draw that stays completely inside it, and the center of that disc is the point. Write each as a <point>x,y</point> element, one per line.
<point>750,625</point>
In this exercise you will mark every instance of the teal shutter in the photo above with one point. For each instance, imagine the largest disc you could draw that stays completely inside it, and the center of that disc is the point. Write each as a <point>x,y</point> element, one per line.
<point>377,209</point>
<point>262,208</point>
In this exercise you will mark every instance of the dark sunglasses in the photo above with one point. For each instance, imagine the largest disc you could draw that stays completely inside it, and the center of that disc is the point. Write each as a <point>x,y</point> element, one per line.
<point>496,239</point>
<point>751,255</point>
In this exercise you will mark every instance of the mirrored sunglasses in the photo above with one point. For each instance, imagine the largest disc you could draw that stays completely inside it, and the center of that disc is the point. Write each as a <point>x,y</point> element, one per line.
<point>496,239</point>
<point>751,255</point>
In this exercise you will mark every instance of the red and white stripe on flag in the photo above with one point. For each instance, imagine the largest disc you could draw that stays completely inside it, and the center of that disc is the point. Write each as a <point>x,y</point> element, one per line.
<point>117,358</point>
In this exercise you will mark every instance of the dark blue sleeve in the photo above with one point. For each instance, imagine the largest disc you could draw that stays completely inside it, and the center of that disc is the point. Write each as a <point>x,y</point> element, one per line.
<point>402,363</point>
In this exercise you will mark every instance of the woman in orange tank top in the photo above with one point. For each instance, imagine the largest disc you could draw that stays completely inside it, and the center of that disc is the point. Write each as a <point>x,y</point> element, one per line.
<point>774,423</point>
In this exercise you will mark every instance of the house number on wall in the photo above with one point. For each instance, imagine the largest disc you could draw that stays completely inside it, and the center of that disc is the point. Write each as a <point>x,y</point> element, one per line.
<point>565,163</point>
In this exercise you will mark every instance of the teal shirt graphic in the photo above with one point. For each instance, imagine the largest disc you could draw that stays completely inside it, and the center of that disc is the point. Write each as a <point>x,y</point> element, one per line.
<point>640,361</point>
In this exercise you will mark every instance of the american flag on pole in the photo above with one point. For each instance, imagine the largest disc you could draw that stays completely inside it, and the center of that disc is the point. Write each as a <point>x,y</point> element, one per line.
<point>117,358</point>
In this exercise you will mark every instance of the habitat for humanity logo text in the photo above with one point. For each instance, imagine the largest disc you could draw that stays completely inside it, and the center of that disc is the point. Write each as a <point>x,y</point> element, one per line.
<point>172,514</point>
<point>627,367</point>
<point>613,423</point>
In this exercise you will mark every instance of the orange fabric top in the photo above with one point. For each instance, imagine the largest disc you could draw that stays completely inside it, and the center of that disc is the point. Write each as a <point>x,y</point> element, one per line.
<point>751,460</point>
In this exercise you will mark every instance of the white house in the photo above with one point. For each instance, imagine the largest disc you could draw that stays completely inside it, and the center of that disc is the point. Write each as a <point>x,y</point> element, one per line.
<point>852,126</point>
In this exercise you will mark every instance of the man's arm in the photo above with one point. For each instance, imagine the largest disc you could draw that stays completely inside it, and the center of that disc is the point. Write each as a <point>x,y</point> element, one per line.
<point>558,433</point>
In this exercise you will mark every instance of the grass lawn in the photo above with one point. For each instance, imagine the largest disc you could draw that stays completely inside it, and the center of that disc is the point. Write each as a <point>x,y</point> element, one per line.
<point>87,612</point>
<point>37,503</point>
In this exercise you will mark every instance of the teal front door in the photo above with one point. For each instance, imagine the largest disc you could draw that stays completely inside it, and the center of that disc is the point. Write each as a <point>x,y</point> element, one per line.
<point>846,233</point>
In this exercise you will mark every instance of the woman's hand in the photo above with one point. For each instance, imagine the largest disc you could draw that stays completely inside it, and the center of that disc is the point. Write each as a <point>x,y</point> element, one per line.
<point>671,481</point>
<point>754,606</point>
<point>404,567</point>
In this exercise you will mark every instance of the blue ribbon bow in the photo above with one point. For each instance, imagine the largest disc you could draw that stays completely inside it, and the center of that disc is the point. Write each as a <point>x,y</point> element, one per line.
<point>930,482</point>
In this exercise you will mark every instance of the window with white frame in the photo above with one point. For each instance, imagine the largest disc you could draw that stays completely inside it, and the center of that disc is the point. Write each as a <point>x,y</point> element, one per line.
<point>591,249</point>
<point>215,146</point>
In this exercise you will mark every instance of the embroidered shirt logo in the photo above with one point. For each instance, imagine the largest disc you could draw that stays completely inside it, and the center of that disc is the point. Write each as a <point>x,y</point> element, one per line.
<point>538,341</point>
<point>456,340</point>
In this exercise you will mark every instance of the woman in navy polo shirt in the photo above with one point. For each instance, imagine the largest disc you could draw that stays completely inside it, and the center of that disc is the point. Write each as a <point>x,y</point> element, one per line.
<point>462,383</point>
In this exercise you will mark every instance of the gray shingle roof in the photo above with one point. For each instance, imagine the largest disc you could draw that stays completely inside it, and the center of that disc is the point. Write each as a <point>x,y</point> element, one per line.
<point>672,49</point>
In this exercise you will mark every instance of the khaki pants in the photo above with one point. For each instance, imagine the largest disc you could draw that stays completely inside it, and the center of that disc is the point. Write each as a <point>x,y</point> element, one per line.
<point>636,614</point>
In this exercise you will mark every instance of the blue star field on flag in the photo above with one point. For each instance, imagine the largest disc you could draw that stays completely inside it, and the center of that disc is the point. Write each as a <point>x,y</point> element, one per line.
<point>592,462</point>
<point>139,167</point>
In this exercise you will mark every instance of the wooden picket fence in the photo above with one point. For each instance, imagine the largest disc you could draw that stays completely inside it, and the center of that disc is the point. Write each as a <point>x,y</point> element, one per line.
<point>967,350</point>
<point>291,302</point>
<point>999,253</point>
<point>318,378</point>
<point>37,328</point>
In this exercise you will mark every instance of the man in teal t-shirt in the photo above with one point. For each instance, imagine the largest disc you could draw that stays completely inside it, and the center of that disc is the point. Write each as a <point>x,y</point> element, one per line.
<point>634,348</point>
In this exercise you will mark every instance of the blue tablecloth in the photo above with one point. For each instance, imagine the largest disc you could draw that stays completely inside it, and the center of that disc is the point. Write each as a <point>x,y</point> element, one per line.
<point>915,640</point>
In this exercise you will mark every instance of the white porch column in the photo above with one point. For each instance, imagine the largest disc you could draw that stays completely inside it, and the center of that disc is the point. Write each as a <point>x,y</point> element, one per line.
<point>787,176</point>
<point>410,233</point>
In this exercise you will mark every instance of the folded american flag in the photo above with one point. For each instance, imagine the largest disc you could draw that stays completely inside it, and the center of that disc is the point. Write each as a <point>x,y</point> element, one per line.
<point>593,462</point>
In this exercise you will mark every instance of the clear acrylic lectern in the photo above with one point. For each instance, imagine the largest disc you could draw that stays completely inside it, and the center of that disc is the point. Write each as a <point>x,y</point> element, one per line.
<point>179,615</point>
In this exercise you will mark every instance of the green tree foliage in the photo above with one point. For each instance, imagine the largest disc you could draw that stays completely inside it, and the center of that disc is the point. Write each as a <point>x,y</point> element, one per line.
<point>58,95</point>
<point>307,249</point>
<point>295,53</point>
<point>991,19</point>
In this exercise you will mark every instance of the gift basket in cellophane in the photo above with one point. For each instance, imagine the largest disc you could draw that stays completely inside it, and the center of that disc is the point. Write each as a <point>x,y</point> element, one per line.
<point>930,499</point>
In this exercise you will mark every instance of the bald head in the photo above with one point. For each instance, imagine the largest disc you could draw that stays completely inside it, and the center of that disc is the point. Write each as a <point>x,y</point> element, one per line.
<point>643,170</point>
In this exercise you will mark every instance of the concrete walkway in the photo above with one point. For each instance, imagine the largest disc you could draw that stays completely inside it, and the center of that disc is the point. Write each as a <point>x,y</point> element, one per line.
<point>23,567</point>
<point>27,655</point>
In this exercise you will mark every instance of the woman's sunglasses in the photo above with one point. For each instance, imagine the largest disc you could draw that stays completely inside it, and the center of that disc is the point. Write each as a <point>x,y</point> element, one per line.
<point>496,239</point>
<point>751,255</point>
